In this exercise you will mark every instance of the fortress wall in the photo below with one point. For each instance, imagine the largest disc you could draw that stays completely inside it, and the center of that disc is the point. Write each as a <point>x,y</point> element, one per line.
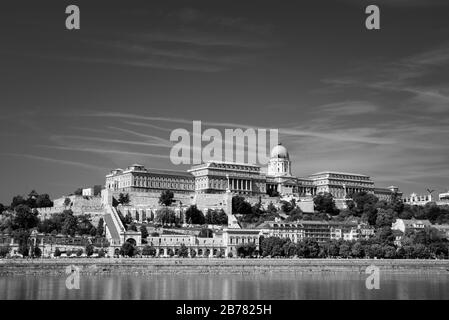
<point>151,199</point>
<point>79,206</point>
<point>208,200</point>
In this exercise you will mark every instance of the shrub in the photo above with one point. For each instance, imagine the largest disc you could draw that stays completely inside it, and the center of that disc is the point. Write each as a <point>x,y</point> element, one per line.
<point>149,251</point>
<point>4,250</point>
<point>57,252</point>
<point>101,253</point>
<point>37,252</point>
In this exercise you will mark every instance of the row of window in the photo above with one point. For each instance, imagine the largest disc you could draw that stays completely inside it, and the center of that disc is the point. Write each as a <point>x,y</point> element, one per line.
<point>242,240</point>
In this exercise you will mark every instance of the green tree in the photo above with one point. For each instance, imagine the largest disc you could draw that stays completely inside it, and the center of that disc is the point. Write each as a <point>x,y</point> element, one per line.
<point>123,199</point>
<point>100,228</point>
<point>384,235</point>
<point>44,201</point>
<point>246,250</point>
<point>4,250</point>
<point>210,217</point>
<point>37,252</point>
<point>93,231</point>
<point>67,202</point>
<point>389,252</point>
<point>271,208</point>
<point>128,250</point>
<point>144,232</point>
<point>25,218</point>
<point>221,217</point>
<point>84,225</point>
<point>166,216</point>
<point>70,225</point>
<point>57,252</point>
<point>289,249</point>
<point>286,206</point>
<point>183,251</point>
<point>148,251</point>
<point>194,215</point>
<point>324,203</point>
<point>384,218</point>
<point>101,253</point>
<point>295,215</point>
<point>240,205</point>
<point>89,250</point>
<point>365,206</point>
<point>311,248</point>
<point>345,250</point>
<point>374,251</point>
<point>17,201</point>
<point>166,198</point>
<point>357,250</point>
<point>97,189</point>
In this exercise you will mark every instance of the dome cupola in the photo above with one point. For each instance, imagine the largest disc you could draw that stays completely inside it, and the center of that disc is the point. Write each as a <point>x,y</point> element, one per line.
<point>279,152</point>
<point>279,164</point>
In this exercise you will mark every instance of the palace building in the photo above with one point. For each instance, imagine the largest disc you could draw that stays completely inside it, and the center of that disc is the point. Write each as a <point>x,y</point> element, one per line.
<point>137,178</point>
<point>216,177</point>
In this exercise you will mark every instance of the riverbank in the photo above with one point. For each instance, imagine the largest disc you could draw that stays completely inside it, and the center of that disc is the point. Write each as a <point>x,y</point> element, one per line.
<point>147,266</point>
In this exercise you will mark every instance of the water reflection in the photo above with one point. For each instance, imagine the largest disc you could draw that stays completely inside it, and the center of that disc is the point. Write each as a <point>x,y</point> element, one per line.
<point>227,287</point>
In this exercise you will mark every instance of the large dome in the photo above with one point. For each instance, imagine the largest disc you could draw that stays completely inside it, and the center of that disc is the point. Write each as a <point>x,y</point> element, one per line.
<point>279,152</point>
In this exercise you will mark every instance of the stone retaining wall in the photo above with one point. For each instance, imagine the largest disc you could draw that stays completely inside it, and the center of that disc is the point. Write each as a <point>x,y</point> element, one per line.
<point>216,266</point>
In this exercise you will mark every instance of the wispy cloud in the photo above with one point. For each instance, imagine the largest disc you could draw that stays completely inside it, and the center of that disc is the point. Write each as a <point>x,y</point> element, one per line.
<point>62,138</point>
<point>185,39</point>
<point>347,108</point>
<point>55,161</point>
<point>423,76</point>
<point>106,151</point>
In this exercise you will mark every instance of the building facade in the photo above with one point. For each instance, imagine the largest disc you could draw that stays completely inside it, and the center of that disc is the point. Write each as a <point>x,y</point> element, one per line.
<point>218,177</point>
<point>417,199</point>
<point>404,225</point>
<point>137,178</point>
<point>321,231</point>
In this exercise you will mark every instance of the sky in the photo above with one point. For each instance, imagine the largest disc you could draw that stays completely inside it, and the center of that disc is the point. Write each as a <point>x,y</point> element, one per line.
<point>77,103</point>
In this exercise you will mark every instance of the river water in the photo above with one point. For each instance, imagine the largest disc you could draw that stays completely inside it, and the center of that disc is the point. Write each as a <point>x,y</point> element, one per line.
<point>204,287</point>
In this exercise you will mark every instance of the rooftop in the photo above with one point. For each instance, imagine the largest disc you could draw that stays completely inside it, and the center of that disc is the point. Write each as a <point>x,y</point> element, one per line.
<point>340,173</point>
